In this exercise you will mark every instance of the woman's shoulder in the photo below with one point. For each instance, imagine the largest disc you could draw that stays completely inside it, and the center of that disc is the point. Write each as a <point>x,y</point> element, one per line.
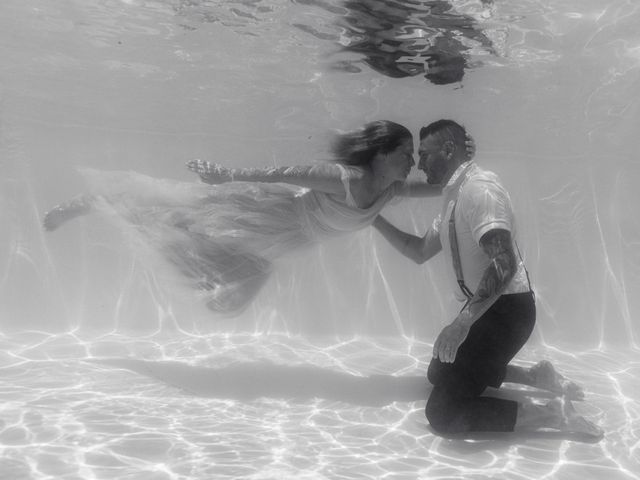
<point>340,170</point>
<point>352,172</point>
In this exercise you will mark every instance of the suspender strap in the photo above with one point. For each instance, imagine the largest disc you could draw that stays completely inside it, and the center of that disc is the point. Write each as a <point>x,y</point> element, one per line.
<point>455,254</point>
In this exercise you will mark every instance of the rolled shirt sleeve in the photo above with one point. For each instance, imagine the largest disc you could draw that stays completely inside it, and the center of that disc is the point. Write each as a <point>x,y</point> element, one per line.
<point>485,207</point>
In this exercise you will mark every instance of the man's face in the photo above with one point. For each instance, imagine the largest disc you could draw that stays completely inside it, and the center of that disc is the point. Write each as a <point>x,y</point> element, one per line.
<point>433,161</point>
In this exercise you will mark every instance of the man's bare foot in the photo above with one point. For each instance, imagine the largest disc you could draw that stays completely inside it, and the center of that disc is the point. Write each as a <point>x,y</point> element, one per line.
<point>546,377</point>
<point>571,422</point>
<point>64,212</point>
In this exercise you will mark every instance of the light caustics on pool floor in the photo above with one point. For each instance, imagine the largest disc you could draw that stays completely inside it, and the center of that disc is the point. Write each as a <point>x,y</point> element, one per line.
<point>249,406</point>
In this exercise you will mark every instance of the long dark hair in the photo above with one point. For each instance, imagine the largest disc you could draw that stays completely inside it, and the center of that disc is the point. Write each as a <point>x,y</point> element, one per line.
<point>360,146</point>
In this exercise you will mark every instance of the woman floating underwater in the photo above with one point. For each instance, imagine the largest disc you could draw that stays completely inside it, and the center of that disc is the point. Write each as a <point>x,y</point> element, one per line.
<point>224,234</point>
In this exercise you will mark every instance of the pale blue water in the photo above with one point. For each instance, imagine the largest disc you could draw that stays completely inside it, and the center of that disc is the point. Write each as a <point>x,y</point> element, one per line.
<point>108,371</point>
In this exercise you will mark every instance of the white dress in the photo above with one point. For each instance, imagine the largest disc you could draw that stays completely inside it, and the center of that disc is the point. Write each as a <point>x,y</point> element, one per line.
<point>224,238</point>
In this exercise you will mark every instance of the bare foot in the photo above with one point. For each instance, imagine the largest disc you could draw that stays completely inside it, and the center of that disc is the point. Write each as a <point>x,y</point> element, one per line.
<point>547,378</point>
<point>66,211</point>
<point>573,423</point>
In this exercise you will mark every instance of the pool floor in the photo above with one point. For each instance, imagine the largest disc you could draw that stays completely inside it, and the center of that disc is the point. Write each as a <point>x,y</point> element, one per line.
<point>167,406</point>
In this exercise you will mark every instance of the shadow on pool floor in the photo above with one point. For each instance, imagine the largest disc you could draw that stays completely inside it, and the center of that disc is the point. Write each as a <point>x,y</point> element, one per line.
<point>248,381</point>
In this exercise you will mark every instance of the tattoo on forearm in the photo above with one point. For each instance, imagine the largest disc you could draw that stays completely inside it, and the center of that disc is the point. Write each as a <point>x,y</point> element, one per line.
<point>497,245</point>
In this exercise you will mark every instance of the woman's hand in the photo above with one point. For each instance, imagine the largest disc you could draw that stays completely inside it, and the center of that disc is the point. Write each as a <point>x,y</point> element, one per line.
<point>210,173</point>
<point>471,146</point>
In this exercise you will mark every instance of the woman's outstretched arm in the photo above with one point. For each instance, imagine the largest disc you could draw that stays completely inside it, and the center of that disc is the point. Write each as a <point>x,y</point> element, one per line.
<point>418,249</point>
<point>325,177</point>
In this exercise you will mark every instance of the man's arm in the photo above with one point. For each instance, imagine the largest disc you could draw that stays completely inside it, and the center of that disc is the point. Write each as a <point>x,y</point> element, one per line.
<point>499,248</point>
<point>418,249</point>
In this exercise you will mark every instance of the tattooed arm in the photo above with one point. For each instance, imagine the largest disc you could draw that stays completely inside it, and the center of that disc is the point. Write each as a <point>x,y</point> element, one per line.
<point>325,177</point>
<point>499,248</point>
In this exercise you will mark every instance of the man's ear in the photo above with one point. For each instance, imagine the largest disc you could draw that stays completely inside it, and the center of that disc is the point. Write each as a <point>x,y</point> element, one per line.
<point>449,147</point>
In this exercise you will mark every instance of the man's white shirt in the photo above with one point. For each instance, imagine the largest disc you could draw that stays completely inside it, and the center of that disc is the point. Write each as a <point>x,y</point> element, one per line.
<point>481,204</point>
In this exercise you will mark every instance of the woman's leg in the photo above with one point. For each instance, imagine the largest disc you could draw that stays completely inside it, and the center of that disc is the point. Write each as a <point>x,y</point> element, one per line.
<point>228,276</point>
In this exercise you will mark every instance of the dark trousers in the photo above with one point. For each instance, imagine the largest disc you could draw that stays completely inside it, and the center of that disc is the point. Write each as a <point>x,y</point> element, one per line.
<point>455,404</point>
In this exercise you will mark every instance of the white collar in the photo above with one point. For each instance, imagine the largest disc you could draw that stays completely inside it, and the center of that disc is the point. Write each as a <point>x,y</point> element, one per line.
<point>460,175</point>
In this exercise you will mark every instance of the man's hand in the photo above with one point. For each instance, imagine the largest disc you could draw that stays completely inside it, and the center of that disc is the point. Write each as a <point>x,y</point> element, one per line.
<point>210,172</point>
<point>450,339</point>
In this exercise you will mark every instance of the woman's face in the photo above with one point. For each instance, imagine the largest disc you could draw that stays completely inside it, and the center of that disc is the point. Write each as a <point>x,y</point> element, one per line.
<point>398,162</point>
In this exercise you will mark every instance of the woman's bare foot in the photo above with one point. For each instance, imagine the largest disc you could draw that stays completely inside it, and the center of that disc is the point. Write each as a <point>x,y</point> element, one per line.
<point>573,423</point>
<point>546,377</point>
<point>64,212</point>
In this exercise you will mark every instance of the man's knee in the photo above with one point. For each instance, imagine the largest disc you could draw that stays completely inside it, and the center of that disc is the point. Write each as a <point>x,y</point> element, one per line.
<point>435,412</point>
<point>437,371</point>
<point>443,412</point>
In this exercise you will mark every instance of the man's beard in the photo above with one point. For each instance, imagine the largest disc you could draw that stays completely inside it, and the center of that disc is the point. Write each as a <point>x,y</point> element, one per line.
<point>432,181</point>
